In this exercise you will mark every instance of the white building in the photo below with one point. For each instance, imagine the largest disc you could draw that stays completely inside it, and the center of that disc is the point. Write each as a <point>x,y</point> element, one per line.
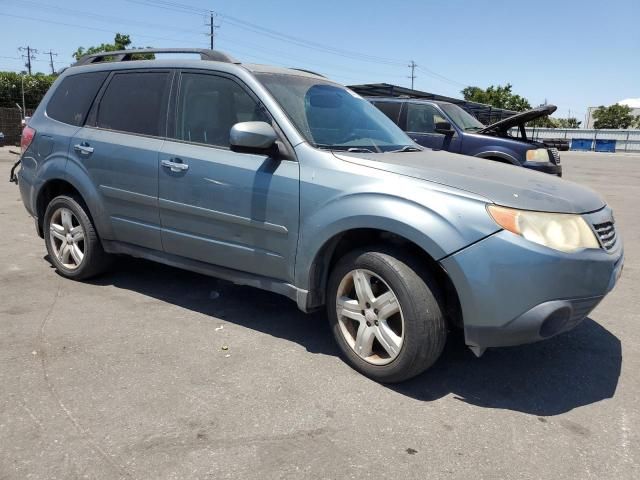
<point>634,103</point>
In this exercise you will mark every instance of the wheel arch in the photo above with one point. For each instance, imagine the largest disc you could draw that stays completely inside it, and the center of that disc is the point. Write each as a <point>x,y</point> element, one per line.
<point>343,242</point>
<point>498,156</point>
<point>56,186</point>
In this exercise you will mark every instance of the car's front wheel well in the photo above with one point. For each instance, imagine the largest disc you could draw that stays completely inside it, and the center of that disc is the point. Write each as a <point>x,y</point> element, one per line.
<point>343,243</point>
<point>48,192</point>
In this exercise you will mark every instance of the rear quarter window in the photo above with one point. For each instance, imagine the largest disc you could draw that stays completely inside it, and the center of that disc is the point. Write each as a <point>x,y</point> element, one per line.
<point>72,99</point>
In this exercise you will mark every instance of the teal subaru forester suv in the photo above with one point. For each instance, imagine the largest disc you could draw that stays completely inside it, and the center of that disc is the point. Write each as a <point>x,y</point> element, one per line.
<point>284,180</point>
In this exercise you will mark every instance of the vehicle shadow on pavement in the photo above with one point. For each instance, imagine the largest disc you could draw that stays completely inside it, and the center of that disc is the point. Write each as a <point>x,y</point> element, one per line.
<point>547,378</point>
<point>249,307</point>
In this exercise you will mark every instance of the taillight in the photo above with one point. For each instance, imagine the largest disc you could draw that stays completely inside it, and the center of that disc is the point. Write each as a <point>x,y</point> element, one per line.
<point>28,134</point>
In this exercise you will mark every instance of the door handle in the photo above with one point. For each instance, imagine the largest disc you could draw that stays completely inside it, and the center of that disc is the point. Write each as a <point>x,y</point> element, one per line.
<point>174,166</point>
<point>83,148</point>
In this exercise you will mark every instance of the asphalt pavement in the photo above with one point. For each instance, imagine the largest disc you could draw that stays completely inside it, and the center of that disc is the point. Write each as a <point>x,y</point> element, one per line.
<point>150,372</point>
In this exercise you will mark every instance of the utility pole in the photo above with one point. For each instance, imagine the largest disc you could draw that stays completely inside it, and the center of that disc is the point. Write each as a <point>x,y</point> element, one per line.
<point>212,26</point>
<point>29,56</point>
<point>51,54</point>
<point>412,66</point>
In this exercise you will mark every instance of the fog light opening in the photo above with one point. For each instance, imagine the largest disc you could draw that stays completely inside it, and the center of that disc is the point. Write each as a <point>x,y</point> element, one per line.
<point>555,322</point>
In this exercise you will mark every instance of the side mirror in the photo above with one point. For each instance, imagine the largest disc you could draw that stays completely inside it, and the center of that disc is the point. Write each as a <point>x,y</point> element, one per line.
<point>444,128</point>
<point>253,137</point>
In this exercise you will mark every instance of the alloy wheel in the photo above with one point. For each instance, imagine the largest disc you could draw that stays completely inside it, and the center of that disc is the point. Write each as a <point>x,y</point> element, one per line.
<point>370,317</point>
<point>67,238</point>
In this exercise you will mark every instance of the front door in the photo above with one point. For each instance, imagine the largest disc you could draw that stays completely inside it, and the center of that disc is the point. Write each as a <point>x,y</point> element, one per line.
<point>235,210</point>
<point>420,123</point>
<point>119,149</point>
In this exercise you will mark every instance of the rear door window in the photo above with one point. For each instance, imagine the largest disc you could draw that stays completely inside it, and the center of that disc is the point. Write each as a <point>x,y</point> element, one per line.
<point>390,109</point>
<point>209,105</point>
<point>72,99</point>
<point>135,102</point>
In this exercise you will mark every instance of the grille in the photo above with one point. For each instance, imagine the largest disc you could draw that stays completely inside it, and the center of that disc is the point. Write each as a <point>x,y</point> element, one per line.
<point>606,233</point>
<point>555,155</point>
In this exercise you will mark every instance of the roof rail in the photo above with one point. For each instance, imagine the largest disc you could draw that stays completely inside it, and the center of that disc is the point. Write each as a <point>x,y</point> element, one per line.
<point>309,71</point>
<point>126,55</point>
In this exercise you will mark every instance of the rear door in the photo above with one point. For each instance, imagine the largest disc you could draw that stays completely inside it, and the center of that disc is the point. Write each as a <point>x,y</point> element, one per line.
<point>235,210</point>
<point>119,149</point>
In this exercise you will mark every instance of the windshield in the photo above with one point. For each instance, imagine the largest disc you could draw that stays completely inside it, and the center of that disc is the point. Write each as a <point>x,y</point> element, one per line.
<point>461,118</point>
<point>330,116</point>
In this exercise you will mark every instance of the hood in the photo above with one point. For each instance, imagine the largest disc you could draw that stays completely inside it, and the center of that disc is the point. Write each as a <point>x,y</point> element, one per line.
<point>520,118</point>
<point>503,184</point>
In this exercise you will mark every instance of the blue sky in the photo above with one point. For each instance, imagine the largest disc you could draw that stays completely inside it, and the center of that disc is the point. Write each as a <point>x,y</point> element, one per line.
<point>572,53</point>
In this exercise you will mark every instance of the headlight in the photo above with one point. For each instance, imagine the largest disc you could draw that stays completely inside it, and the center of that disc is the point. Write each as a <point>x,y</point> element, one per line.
<point>560,231</point>
<point>538,155</point>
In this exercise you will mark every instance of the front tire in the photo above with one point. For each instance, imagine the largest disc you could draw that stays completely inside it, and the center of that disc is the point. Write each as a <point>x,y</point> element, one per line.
<point>385,313</point>
<point>71,239</point>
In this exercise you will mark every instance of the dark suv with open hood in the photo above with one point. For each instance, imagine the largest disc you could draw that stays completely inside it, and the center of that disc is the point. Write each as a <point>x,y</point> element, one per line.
<point>446,126</point>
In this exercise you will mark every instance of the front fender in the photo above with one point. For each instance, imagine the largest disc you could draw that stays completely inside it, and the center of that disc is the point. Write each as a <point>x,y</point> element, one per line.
<point>451,224</point>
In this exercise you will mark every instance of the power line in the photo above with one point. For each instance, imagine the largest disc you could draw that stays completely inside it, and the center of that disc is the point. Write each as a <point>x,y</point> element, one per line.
<point>113,32</point>
<point>258,29</point>
<point>436,75</point>
<point>233,42</point>
<point>189,9</point>
<point>100,18</point>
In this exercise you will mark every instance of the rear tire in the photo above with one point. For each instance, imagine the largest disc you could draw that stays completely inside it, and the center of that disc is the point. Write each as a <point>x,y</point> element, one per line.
<point>71,239</point>
<point>385,313</point>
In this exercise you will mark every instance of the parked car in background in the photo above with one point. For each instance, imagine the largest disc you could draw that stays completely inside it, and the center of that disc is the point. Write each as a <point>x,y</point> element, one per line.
<point>289,182</point>
<point>1,139</point>
<point>446,126</point>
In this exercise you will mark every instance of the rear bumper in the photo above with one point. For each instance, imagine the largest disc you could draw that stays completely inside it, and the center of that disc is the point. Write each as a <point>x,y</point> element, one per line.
<point>513,291</point>
<point>544,167</point>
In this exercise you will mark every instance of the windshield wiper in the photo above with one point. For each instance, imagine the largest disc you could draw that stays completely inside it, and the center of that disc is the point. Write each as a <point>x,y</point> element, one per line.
<point>474,128</point>
<point>359,150</point>
<point>344,148</point>
<point>407,148</point>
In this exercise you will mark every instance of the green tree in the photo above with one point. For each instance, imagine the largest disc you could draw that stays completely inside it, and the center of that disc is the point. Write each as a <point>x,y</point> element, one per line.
<point>35,87</point>
<point>570,122</point>
<point>120,42</point>
<point>497,96</point>
<point>544,122</point>
<point>613,116</point>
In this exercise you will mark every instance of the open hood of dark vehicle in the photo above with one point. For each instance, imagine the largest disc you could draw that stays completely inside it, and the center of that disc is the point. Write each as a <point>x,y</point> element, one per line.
<point>519,119</point>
